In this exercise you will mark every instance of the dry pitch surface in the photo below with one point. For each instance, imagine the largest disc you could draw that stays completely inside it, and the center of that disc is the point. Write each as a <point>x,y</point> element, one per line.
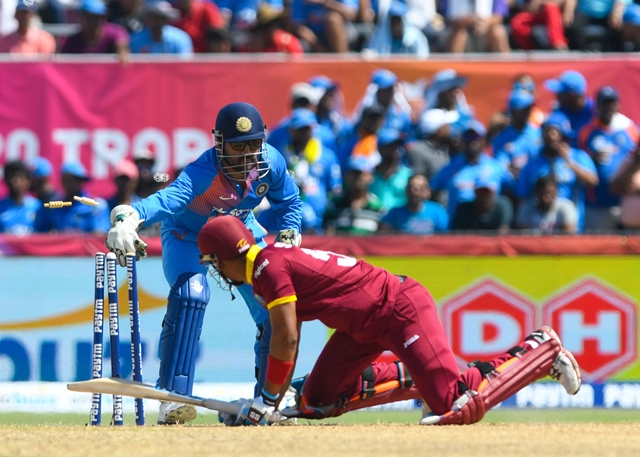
<point>502,440</point>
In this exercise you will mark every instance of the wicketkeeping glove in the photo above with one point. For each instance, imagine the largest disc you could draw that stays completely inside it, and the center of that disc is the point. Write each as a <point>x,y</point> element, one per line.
<point>260,411</point>
<point>289,236</point>
<point>123,237</point>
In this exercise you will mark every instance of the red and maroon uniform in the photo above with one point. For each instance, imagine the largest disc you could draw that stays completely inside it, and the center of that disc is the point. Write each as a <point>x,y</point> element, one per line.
<point>371,311</point>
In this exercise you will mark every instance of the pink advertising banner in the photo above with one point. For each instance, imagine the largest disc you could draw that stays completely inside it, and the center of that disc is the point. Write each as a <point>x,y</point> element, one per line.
<point>100,112</point>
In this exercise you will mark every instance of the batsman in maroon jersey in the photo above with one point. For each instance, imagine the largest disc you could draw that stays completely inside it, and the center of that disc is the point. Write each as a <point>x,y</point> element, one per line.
<point>371,311</point>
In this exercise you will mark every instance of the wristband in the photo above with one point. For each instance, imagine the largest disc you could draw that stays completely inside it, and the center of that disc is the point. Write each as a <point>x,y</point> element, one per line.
<point>278,370</point>
<point>268,398</point>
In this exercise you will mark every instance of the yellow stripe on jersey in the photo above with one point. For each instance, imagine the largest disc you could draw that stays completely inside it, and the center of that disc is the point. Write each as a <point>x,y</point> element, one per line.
<point>282,301</point>
<point>251,259</point>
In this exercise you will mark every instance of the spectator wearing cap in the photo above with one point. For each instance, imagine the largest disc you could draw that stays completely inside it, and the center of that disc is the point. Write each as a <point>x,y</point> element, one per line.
<point>128,14</point>
<point>539,25</point>
<point>41,186</point>
<point>419,216</point>
<point>267,35</point>
<point>573,169</point>
<point>607,14</point>
<point>572,99</point>
<point>391,175</point>
<point>28,39</point>
<point>77,218</point>
<point>361,139</point>
<point>96,35</point>
<point>145,160</point>
<point>125,178</point>
<point>459,177</point>
<point>314,168</point>
<point>445,92</point>
<point>158,37</point>
<point>358,211</point>
<point>435,145</point>
<point>396,35</point>
<point>303,95</point>
<point>475,26</point>
<point>520,140</point>
<point>546,213</point>
<point>330,108</point>
<point>384,90</point>
<point>488,211</point>
<point>196,18</point>
<point>18,210</point>
<point>608,139</point>
<point>626,184</point>
<point>328,20</point>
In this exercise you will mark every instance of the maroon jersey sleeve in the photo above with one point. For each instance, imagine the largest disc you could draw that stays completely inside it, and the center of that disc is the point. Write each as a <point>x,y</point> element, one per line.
<point>271,279</point>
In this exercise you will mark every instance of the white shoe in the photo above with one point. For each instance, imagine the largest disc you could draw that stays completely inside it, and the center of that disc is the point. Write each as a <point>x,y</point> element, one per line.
<point>565,369</point>
<point>176,413</point>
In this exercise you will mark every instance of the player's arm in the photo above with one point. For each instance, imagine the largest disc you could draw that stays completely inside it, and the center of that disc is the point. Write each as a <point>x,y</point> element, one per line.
<point>284,345</point>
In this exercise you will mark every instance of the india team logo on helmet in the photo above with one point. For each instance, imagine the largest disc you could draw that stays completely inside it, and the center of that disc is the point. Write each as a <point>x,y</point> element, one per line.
<point>241,125</point>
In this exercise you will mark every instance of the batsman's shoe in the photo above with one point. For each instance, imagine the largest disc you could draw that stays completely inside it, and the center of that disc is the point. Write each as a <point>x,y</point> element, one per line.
<point>176,413</point>
<point>565,369</point>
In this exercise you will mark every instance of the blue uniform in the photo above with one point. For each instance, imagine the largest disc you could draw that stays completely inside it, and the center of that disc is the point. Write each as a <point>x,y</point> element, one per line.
<point>514,148</point>
<point>579,119</point>
<point>75,218</point>
<point>279,137</point>
<point>615,142</point>
<point>459,178</point>
<point>568,185</point>
<point>18,219</point>
<point>201,192</point>
<point>431,218</point>
<point>173,41</point>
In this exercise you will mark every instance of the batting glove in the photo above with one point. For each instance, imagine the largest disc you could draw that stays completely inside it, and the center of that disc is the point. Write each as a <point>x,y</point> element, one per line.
<point>260,411</point>
<point>122,237</point>
<point>289,236</point>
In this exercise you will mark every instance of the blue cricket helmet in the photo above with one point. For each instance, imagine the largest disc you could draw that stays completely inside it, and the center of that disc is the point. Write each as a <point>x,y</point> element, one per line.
<point>241,123</point>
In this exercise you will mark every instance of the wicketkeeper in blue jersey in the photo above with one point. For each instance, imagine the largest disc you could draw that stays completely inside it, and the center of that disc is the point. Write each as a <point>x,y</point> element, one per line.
<point>230,178</point>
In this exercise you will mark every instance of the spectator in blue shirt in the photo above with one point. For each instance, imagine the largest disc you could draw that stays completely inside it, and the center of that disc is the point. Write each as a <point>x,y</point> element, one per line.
<point>330,108</point>
<point>608,139</point>
<point>572,100</point>
<point>573,169</point>
<point>303,95</point>
<point>520,140</point>
<point>419,216</point>
<point>382,90</point>
<point>77,218</point>
<point>41,186</point>
<point>315,171</point>
<point>328,20</point>
<point>459,177</point>
<point>18,209</point>
<point>158,37</point>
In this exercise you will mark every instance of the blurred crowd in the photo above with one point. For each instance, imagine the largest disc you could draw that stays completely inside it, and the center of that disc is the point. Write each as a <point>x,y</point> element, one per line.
<point>372,27</point>
<point>390,167</point>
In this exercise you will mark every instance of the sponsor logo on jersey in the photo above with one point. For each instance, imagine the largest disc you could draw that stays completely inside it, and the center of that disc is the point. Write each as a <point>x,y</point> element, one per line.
<point>262,189</point>
<point>261,267</point>
<point>410,341</point>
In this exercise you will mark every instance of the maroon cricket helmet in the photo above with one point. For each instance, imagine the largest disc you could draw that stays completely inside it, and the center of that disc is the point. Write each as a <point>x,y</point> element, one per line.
<point>224,238</point>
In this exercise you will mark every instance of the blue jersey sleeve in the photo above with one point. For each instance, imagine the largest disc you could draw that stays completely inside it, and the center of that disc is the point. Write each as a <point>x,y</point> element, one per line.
<point>174,198</point>
<point>283,194</point>
<point>584,160</point>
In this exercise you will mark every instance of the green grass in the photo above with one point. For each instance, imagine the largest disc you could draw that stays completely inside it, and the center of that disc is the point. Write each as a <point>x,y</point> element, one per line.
<point>363,417</point>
